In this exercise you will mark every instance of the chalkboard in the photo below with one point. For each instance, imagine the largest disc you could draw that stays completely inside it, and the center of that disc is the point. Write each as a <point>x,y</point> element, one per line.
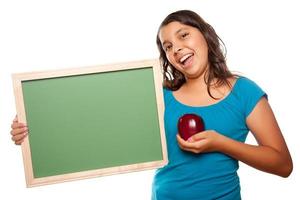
<point>91,121</point>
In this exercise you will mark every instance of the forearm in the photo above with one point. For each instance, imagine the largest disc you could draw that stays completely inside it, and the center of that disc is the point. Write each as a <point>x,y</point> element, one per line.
<point>263,158</point>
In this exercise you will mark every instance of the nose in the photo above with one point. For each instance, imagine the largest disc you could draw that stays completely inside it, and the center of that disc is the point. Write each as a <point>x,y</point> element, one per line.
<point>177,49</point>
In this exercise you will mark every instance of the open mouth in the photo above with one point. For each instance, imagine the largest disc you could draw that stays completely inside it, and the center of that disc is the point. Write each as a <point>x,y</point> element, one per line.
<point>185,59</point>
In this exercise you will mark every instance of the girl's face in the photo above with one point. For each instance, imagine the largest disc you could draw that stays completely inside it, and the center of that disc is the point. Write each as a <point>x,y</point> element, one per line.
<point>186,48</point>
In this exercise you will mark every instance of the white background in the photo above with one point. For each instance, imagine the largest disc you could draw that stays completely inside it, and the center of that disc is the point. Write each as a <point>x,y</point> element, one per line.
<point>262,39</point>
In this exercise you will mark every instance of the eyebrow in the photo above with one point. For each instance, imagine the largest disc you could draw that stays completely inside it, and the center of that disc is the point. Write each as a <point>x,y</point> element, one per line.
<point>178,31</point>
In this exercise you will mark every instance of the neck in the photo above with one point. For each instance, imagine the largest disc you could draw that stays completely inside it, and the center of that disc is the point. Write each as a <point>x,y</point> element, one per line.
<point>198,83</point>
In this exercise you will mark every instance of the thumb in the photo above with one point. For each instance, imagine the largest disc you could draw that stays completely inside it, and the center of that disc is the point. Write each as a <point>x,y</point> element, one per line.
<point>197,137</point>
<point>16,118</point>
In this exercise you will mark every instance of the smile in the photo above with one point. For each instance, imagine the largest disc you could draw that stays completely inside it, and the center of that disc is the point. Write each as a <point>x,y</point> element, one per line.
<point>185,58</point>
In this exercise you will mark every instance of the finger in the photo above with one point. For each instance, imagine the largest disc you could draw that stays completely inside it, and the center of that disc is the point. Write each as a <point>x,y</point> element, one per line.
<point>19,142</point>
<point>18,125</point>
<point>179,139</point>
<point>180,142</point>
<point>189,149</point>
<point>196,147</point>
<point>184,143</point>
<point>19,137</point>
<point>183,147</point>
<point>19,131</point>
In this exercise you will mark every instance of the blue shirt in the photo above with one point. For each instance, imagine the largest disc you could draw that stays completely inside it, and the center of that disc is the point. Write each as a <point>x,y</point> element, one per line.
<point>205,176</point>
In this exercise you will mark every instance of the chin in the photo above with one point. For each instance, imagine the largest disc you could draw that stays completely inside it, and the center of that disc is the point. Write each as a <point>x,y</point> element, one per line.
<point>193,75</point>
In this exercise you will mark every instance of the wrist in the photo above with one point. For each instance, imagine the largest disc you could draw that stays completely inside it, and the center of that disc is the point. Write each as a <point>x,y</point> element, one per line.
<point>221,143</point>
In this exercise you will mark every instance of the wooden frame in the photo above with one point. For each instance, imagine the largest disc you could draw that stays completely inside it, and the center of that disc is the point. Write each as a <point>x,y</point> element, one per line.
<point>21,112</point>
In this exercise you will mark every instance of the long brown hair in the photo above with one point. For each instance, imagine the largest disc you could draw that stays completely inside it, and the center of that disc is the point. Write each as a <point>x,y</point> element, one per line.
<point>174,79</point>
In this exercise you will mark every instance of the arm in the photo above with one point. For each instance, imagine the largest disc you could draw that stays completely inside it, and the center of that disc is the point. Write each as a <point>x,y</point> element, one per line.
<point>270,155</point>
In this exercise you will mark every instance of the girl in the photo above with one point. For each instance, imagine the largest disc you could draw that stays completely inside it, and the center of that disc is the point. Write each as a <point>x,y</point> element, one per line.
<point>197,80</point>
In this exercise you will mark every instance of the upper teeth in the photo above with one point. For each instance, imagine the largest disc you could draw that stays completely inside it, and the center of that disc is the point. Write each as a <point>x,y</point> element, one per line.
<point>185,57</point>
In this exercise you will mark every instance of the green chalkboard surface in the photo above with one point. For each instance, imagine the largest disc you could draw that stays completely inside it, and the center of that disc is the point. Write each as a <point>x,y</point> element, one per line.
<point>85,122</point>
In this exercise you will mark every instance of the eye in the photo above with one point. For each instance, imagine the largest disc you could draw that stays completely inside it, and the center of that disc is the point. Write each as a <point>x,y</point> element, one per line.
<point>184,35</point>
<point>168,47</point>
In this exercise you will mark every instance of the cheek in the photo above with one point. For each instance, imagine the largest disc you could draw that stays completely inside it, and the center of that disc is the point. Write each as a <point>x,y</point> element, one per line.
<point>171,59</point>
<point>202,54</point>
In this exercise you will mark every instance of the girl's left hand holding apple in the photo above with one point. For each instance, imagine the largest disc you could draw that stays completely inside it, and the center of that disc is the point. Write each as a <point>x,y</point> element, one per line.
<point>205,141</point>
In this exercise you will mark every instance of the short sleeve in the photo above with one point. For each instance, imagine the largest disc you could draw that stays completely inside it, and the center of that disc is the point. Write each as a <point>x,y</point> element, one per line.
<point>251,93</point>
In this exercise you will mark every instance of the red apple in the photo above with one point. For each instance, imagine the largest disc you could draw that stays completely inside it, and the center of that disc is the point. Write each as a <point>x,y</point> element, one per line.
<point>190,124</point>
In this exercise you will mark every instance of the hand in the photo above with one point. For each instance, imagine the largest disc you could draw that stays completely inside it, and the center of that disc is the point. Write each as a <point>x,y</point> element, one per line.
<point>205,141</point>
<point>18,131</point>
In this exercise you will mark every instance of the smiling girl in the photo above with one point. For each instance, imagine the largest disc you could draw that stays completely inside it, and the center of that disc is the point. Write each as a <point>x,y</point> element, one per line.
<point>197,80</point>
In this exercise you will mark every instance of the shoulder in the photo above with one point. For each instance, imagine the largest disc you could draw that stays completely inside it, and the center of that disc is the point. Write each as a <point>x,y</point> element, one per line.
<point>247,86</point>
<point>246,82</point>
<point>167,95</point>
<point>248,92</point>
<point>165,91</point>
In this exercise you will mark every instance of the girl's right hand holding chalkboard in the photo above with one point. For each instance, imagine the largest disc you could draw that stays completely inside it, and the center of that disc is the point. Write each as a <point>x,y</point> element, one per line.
<point>18,131</point>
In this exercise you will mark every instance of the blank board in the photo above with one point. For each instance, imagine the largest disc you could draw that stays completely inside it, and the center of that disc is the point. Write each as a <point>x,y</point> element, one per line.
<point>91,121</point>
